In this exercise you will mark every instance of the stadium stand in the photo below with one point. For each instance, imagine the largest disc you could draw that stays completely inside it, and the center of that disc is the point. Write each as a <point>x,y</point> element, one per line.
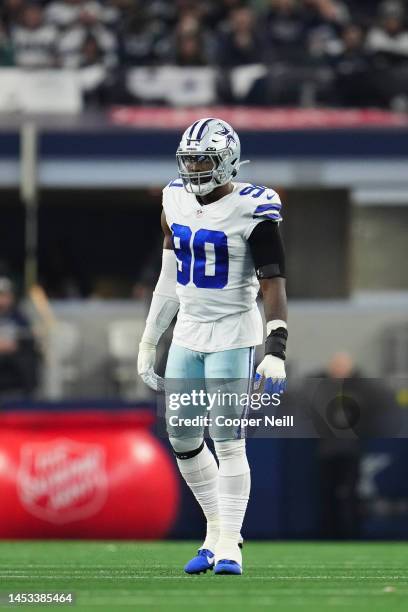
<point>302,52</point>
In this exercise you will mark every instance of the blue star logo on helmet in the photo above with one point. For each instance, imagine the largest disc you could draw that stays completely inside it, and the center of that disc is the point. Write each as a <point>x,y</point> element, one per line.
<point>223,131</point>
<point>230,138</point>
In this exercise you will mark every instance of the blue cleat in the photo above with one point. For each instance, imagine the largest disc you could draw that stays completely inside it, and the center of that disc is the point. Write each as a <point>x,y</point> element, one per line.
<point>201,563</point>
<point>225,566</point>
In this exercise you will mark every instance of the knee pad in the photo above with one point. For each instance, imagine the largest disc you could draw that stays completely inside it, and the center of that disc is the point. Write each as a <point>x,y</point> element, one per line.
<point>232,457</point>
<point>186,448</point>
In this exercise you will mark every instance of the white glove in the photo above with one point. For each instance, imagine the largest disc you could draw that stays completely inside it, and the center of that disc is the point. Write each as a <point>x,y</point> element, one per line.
<point>146,361</point>
<point>273,368</point>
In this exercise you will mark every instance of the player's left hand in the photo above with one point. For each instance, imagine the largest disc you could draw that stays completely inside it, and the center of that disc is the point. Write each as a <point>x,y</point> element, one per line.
<point>272,369</point>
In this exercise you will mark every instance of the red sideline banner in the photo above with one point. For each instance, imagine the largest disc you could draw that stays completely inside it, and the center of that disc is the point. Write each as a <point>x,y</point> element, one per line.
<point>92,474</point>
<point>243,118</point>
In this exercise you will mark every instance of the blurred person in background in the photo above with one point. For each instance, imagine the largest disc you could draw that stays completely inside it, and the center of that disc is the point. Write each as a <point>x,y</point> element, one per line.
<point>140,35</point>
<point>324,21</point>
<point>364,11</point>
<point>286,32</point>
<point>91,53</point>
<point>189,51</point>
<point>6,49</point>
<point>10,11</point>
<point>241,42</point>
<point>333,13</point>
<point>388,39</point>
<point>34,40</point>
<point>286,52</point>
<point>94,74</point>
<point>346,407</point>
<point>72,40</point>
<point>387,42</point>
<point>191,43</point>
<point>19,356</point>
<point>339,462</point>
<point>65,13</point>
<point>355,84</point>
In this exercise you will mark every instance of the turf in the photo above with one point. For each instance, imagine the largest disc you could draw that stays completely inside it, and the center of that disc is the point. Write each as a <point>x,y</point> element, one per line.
<point>148,576</point>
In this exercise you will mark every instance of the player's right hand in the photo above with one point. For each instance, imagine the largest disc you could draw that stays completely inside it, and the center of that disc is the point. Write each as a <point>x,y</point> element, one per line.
<point>145,366</point>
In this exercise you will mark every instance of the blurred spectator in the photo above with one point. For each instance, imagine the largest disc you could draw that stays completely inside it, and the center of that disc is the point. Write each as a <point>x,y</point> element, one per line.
<point>323,12</point>
<point>345,407</point>
<point>34,41</point>
<point>65,13</point>
<point>286,31</point>
<point>91,53</point>
<point>190,45</point>
<point>387,43</point>
<point>140,35</point>
<point>10,11</point>
<point>314,50</point>
<point>364,12</point>
<point>6,49</point>
<point>19,357</point>
<point>72,40</point>
<point>241,43</point>
<point>189,51</point>
<point>324,20</point>
<point>94,75</point>
<point>339,461</point>
<point>355,84</point>
<point>389,39</point>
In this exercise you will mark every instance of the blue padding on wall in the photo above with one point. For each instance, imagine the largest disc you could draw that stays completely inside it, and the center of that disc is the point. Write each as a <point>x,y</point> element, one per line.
<point>300,493</point>
<point>377,143</point>
<point>391,481</point>
<point>9,144</point>
<point>281,144</point>
<point>266,515</point>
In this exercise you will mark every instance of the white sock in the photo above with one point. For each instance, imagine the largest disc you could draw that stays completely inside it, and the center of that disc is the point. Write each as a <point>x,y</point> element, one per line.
<point>201,475</point>
<point>234,482</point>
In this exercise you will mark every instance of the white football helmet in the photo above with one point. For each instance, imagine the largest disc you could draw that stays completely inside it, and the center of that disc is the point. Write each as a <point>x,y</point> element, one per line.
<point>208,155</point>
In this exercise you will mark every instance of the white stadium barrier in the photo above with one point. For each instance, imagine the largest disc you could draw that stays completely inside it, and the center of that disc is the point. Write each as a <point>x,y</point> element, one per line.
<point>40,91</point>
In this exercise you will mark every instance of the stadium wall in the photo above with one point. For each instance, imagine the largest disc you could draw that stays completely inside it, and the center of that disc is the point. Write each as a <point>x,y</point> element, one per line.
<point>97,154</point>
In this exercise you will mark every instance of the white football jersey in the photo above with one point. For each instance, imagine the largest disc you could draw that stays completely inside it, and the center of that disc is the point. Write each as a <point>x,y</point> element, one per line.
<point>216,279</point>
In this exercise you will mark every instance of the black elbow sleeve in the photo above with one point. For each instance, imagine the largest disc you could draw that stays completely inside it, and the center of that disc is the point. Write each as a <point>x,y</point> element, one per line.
<point>267,250</point>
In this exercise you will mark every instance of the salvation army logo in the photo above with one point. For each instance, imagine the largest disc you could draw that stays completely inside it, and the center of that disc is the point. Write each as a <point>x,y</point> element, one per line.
<point>62,480</point>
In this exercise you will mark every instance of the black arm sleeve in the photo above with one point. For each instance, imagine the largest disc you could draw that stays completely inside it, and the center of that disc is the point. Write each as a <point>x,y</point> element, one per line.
<point>267,250</point>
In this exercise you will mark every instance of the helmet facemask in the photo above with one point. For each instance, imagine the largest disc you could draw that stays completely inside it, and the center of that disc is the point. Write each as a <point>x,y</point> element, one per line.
<point>202,172</point>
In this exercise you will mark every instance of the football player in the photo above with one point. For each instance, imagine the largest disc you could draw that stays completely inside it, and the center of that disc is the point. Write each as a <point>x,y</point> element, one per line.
<point>221,242</point>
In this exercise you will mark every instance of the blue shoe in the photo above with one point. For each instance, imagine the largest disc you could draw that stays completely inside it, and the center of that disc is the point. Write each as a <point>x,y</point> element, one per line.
<point>201,563</point>
<point>225,566</point>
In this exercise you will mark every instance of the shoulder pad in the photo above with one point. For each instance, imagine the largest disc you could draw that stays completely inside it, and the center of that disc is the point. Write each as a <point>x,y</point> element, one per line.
<point>261,202</point>
<point>175,183</point>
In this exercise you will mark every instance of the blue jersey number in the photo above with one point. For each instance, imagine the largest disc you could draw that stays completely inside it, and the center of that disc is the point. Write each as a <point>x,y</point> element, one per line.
<point>255,190</point>
<point>181,243</point>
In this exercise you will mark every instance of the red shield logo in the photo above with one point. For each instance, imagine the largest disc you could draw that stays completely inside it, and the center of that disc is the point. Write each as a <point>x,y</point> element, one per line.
<point>62,480</point>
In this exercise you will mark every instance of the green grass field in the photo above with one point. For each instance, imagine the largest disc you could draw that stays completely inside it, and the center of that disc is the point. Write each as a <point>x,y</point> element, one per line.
<point>148,576</point>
